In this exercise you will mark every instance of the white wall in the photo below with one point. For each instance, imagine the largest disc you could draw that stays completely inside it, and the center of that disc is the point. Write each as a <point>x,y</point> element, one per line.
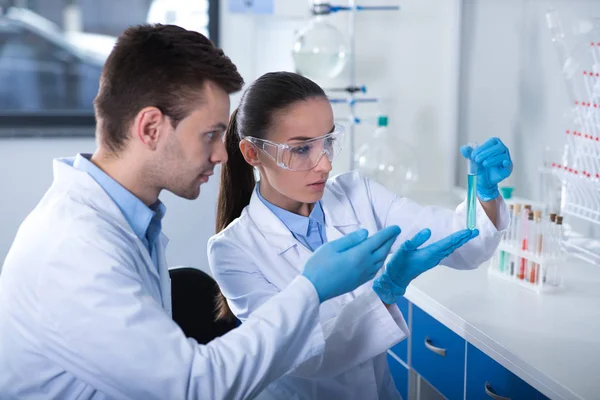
<point>25,174</point>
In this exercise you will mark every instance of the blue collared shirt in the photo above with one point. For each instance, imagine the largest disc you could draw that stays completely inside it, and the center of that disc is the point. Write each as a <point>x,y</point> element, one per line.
<point>310,231</point>
<point>145,221</point>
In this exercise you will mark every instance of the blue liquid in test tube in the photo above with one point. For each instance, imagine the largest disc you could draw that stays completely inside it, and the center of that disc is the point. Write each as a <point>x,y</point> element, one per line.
<point>471,191</point>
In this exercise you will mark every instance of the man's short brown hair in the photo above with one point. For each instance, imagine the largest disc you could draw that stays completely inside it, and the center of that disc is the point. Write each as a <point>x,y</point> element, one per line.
<point>164,66</point>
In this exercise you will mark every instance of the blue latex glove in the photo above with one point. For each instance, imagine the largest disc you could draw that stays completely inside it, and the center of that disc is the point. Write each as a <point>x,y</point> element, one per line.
<point>493,166</point>
<point>409,262</point>
<point>342,265</point>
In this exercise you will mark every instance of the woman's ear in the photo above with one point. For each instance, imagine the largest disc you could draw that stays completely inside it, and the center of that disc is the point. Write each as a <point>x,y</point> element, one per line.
<point>250,153</point>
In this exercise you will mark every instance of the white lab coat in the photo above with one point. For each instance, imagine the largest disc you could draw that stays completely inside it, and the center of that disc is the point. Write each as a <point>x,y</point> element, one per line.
<point>84,314</point>
<point>256,257</point>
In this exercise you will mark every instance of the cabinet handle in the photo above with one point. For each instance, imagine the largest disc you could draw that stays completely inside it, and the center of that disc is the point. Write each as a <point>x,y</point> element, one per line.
<point>490,392</point>
<point>437,350</point>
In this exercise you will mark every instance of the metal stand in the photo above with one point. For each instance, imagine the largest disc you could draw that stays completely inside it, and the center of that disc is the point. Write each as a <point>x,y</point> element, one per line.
<point>323,8</point>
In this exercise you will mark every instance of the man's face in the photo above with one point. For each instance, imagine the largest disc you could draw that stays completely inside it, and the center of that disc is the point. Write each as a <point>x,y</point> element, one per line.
<point>192,150</point>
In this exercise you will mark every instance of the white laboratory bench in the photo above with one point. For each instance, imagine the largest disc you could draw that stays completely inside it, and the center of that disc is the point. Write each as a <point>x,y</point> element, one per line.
<point>549,340</point>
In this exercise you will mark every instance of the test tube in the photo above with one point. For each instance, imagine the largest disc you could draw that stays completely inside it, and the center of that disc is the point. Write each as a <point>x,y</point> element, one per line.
<point>551,245</point>
<point>515,237</point>
<point>537,246</point>
<point>503,265</point>
<point>559,234</point>
<point>502,260</point>
<point>526,212</point>
<point>471,191</point>
<point>539,232</point>
<point>515,225</point>
<point>524,219</point>
<point>527,222</point>
<point>511,213</point>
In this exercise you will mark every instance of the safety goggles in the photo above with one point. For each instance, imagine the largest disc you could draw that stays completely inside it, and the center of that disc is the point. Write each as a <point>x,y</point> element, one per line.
<point>304,155</point>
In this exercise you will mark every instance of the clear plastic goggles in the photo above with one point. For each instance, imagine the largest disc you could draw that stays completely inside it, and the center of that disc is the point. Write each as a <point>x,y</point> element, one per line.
<point>304,155</point>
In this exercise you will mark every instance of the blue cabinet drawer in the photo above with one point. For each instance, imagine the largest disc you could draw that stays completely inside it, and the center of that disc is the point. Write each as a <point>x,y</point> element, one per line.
<point>438,354</point>
<point>486,379</point>
<point>401,349</point>
<point>251,6</point>
<point>399,375</point>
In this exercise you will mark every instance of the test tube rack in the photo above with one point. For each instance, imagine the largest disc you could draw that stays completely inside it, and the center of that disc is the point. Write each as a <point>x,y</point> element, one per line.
<point>527,269</point>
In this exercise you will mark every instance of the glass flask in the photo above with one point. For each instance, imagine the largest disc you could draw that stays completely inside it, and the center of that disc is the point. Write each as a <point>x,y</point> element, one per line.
<point>320,50</point>
<point>392,163</point>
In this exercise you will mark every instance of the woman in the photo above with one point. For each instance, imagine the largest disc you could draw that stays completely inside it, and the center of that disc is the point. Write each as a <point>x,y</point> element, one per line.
<point>284,128</point>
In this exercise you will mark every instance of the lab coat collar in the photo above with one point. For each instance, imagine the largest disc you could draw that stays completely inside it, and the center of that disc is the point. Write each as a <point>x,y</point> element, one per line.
<point>337,214</point>
<point>136,212</point>
<point>270,225</point>
<point>298,224</point>
<point>163,274</point>
<point>67,177</point>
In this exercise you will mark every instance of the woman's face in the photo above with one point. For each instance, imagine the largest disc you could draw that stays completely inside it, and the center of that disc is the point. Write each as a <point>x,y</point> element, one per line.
<point>300,121</point>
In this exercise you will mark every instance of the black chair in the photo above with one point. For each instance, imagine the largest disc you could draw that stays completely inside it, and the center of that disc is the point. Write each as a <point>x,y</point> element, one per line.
<point>193,295</point>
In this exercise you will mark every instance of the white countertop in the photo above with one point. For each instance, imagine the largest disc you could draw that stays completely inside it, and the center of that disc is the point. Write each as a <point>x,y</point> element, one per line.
<point>550,340</point>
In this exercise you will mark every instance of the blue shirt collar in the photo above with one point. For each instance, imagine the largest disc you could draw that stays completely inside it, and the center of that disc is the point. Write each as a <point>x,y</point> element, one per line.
<point>137,214</point>
<point>297,224</point>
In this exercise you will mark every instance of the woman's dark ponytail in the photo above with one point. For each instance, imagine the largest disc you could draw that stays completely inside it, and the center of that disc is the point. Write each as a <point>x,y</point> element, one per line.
<point>237,179</point>
<point>235,191</point>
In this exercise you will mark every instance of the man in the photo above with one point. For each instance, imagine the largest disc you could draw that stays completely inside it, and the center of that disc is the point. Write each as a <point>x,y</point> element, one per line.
<point>85,305</point>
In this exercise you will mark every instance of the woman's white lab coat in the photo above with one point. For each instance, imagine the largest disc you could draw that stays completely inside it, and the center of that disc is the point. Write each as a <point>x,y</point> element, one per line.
<point>256,257</point>
<point>85,314</point>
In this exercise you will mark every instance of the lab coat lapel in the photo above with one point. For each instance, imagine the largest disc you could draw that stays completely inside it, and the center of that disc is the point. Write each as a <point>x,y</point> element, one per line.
<point>163,272</point>
<point>147,258</point>
<point>277,234</point>
<point>340,218</point>
<point>280,243</point>
<point>159,273</point>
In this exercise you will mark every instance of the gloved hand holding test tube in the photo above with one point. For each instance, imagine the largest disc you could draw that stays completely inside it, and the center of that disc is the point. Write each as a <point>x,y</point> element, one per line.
<point>488,165</point>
